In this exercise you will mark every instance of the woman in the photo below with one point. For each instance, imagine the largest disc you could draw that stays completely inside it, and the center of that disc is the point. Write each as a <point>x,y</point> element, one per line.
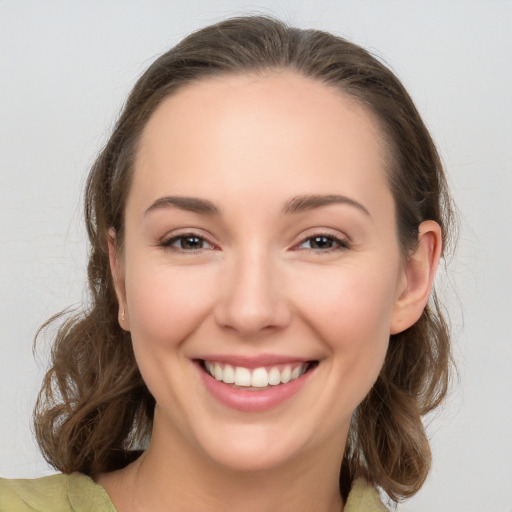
<point>266,221</point>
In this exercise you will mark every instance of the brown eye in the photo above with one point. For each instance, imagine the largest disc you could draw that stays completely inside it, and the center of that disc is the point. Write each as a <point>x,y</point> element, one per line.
<point>323,243</point>
<point>186,243</point>
<point>190,243</point>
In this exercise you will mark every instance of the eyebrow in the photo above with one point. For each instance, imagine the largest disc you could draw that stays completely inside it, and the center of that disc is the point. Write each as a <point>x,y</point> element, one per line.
<point>191,204</point>
<point>297,204</point>
<point>310,202</point>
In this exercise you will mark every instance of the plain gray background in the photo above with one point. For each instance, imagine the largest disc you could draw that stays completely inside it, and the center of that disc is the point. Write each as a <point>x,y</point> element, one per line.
<point>65,70</point>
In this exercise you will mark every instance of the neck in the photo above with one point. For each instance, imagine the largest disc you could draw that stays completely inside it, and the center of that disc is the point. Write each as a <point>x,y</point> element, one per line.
<point>173,477</point>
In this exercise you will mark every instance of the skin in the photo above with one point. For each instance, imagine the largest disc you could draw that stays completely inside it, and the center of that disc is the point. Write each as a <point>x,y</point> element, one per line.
<point>258,284</point>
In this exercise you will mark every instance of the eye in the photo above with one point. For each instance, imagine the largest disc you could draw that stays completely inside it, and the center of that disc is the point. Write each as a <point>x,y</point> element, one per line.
<point>323,243</point>
<point>188,242</point>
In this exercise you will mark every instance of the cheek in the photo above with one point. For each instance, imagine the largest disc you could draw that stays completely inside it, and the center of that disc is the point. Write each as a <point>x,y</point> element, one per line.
<point>166,303</point>
<point>350,311</point>
<point>349,305</point>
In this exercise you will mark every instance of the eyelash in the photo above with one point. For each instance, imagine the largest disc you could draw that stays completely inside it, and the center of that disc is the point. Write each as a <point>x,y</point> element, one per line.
<point>168,243</point>
<point>340,244</point>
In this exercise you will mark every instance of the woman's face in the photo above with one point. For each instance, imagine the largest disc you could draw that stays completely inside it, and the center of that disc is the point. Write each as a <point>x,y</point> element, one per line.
<point>260,248</point>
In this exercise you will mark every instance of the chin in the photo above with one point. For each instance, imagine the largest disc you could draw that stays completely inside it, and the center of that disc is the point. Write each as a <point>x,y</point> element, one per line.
<point>250,459</point>
<point>252,449</point>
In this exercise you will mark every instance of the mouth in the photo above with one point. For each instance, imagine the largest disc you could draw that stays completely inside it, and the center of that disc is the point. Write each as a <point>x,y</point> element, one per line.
<point>256,379</point>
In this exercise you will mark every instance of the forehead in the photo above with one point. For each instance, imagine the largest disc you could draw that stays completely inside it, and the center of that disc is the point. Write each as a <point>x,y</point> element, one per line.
<point>271,96</point>
<point>277,128</point>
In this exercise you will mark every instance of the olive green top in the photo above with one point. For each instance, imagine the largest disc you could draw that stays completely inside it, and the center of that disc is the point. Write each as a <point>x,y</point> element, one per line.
<point>79,493</point>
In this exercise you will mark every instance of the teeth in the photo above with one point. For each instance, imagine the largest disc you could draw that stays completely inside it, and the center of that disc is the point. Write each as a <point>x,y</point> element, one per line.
<point>274,376</point>
<point>229,374</point>
<point>295,373</point>
<point>242,376</point>
<point>258,377</point>
<point>286,374</point>
<point>218,371</point>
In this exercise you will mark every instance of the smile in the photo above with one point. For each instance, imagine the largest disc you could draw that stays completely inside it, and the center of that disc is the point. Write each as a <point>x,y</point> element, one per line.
<point>255,378</point>
<point>254,385</point>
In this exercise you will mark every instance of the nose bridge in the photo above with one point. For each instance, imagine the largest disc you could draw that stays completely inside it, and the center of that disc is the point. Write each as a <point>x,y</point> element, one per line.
<point>252,298</point>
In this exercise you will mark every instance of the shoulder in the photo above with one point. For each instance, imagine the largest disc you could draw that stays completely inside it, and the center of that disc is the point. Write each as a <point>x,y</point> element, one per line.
<point>48,493</point>
<point>55,493</point>
<point>363,497</point>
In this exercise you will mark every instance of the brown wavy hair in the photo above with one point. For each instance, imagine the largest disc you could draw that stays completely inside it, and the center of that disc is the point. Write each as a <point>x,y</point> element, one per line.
<point>94,408</point>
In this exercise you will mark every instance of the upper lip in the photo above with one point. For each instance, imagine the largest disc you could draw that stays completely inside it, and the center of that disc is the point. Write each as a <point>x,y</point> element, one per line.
<point>254,361</point>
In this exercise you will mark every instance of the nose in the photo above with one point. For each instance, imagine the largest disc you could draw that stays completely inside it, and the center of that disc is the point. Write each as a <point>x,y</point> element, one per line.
<point>252,298</point>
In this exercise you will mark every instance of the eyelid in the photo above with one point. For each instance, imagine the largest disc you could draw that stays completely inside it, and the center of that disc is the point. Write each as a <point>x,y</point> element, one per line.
<point>166,241</point>
<point>343,241</point>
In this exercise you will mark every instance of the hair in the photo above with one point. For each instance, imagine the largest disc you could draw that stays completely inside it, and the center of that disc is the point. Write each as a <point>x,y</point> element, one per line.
<point>94,408</point>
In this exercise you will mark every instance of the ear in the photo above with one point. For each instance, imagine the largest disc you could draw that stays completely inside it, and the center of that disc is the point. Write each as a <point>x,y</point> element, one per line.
<point>117,271</point>
<point>419,272</point>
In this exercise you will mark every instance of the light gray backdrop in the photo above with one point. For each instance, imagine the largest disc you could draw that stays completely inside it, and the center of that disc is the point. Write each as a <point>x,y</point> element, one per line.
<point>65,69</point>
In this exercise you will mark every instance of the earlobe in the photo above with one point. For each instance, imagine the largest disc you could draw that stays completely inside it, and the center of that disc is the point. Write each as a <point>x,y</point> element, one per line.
<point>117,273</point>
<point>419,272</point>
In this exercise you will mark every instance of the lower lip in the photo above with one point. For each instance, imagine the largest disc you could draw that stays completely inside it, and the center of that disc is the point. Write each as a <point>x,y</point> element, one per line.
<point>253,401</point>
